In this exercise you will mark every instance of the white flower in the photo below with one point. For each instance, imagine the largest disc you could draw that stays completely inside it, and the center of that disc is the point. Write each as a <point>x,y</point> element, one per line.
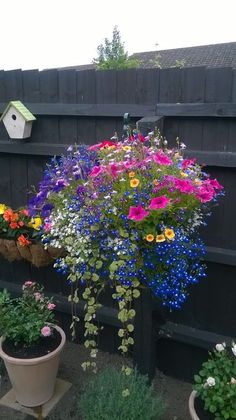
<point>234,349</point>
<point>220,347</point>
<point>233,381</point>
<point>210,381</point>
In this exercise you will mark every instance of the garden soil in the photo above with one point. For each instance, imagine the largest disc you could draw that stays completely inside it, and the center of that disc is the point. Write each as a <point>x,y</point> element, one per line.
<point>175,393</point>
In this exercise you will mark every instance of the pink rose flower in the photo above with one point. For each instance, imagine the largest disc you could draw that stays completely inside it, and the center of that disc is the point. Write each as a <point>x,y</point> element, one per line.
<point>162,159</point>
<point>137,213</point>
<point>46,331</point>
<point>28,283</point>
<point>51,306</point>
<point>159,202</point>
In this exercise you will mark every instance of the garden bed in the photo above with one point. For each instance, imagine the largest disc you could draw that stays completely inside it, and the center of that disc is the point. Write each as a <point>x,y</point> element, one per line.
<point>175,393</point>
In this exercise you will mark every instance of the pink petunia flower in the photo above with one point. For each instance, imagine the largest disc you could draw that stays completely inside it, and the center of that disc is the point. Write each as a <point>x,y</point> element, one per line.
<point>137,213</point>
<point>95,171</point>
<point>187,162</point>
<point>215,184</point>
<point>184,186</point>
<point>162,159</point>
<point>51,306</point>
<point>159,202</point>
<point>46,331</point>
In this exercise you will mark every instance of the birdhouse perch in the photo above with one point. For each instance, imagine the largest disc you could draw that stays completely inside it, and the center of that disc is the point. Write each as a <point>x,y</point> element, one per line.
<point>18,120</point>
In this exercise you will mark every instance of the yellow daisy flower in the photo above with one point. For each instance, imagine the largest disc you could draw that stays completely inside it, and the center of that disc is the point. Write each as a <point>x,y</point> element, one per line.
<point>2,208</point>
<point>134,183</point>
<point>149,237</point>
<point>160,238</point>
<point>169,234</point>
<point>131,174</point>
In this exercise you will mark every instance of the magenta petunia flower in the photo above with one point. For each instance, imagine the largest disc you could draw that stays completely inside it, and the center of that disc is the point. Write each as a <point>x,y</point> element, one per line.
<point>159,202</point>
<point>215,184</point>
<point>137,213</point>
<point>184,186</point>
<point>187,162</point>
<point>162,159</point>
<point>95,171</point>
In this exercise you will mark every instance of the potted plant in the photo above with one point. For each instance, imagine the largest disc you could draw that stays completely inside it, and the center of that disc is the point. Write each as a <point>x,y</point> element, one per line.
<point>128,214</point>
<point>20,237</point>
<point>214,395</point>
<point>30,344</point>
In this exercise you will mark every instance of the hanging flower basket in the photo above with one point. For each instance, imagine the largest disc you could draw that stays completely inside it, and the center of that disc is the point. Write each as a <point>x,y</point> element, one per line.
<point>20,238</point>
<point>34,253</point>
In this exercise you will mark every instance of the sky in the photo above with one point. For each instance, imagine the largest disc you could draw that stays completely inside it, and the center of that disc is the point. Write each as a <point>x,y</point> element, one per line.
<point>56,33</point>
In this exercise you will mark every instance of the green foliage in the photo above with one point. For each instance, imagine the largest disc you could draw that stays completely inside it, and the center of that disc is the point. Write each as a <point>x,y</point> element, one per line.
<point>112,55</point>
<point>120,395</point>
<point>22,319</point>
<point>216,383</point>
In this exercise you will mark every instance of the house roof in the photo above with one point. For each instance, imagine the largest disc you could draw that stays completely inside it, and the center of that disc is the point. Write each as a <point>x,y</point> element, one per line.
<point>21,108</point>
<point>214,55</point>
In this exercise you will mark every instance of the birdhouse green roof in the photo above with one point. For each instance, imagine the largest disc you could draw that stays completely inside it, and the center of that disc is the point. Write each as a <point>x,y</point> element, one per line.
<point>21,108</point>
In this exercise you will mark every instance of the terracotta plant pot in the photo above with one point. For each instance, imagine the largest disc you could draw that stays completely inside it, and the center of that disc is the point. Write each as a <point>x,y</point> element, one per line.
<point>33,380</point>
<point>196,408</point>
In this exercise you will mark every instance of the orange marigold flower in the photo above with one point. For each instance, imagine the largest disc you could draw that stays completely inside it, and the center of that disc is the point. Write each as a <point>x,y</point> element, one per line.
<point>160,238</point>
<point>149,237</point>
<point>134,183</point>
<point>169,234</point>
<point>131,174</point>
<point>14,217</point>
<point>23,241</point>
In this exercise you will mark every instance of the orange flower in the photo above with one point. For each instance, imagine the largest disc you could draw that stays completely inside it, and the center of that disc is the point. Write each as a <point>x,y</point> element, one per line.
<point>20,223</point>
<point>183,174</point>
<point>160,238</point>
<point>23,241</point>
<point>7,215</point>
<point>149,237</point>
<point>134,183</point>
<point>131,174</point>
<point>25,212</point>
<point>155,182</point>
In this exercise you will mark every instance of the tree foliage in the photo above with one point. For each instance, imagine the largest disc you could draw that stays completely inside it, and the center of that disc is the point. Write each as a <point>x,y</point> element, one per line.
<point>112,54</point>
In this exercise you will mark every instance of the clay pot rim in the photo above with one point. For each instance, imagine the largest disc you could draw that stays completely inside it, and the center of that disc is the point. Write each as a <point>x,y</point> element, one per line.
<point>191,406</point>
<point>35,360</point>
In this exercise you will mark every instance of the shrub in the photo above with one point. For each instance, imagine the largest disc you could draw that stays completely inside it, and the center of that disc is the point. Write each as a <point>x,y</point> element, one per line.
<point>114,395</point>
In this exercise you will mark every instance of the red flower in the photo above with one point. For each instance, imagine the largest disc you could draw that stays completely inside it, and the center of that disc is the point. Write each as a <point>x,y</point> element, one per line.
<point>13,225</point>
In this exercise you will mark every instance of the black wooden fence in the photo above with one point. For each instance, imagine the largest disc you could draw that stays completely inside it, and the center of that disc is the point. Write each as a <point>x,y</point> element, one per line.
<point>196,104</point>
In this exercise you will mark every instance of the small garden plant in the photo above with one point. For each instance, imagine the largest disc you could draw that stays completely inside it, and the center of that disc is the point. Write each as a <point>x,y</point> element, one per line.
<point>26,319</point>
<point>113,394</point>
<point>216,382</point>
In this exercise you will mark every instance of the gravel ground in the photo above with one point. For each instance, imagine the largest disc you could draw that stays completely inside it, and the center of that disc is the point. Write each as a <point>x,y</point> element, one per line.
<point>174,392</point>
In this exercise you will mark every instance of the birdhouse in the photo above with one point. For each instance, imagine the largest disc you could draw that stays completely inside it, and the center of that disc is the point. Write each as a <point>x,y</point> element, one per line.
<point>18,120</point>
